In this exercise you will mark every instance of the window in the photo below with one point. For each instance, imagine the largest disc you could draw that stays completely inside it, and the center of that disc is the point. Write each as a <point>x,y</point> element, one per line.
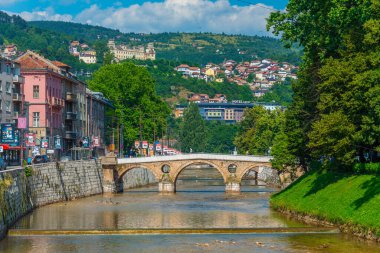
<point>8,106</point>
<point>36,91</point>
<point>8,69</point>
<point>1,104</point>
<point>36,119</point>
<point>1,85</point>
<point>8,87</point>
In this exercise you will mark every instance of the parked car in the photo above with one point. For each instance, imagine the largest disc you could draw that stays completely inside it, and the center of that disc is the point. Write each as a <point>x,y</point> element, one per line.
<point>40,159</point>
<point>3,164</point>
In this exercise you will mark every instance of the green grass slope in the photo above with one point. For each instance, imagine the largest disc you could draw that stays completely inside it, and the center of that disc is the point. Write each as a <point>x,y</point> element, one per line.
<point>335,197</point>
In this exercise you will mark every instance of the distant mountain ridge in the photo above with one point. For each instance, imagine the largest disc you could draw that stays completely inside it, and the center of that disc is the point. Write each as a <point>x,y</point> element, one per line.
<point>197,48</point>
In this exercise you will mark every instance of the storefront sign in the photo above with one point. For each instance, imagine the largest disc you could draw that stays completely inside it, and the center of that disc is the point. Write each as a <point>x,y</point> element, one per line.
<point>7,133</point>
<point>30,139</point>
<point>21,123</point>
<point>57,142</point>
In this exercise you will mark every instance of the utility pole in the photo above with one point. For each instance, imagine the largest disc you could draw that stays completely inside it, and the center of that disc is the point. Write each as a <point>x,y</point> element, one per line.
<point>140,132</point>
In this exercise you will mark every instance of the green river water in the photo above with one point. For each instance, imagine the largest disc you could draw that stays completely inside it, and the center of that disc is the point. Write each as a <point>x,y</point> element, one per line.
<point>198,204</point>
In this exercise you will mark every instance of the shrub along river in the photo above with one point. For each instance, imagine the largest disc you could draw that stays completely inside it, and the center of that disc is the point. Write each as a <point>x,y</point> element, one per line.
<point>200,217</point>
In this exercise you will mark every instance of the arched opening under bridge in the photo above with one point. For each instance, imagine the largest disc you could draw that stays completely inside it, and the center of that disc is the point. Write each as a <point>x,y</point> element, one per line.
<point>199,176</point>
<point>137,177</point>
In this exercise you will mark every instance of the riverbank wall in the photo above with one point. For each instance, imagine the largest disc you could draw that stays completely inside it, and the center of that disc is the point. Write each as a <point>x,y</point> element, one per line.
<point>348,201</point>
<point>21,190</point>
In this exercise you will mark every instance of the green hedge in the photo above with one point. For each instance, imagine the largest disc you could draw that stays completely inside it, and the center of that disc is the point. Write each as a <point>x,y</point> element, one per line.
<point>367,168</point>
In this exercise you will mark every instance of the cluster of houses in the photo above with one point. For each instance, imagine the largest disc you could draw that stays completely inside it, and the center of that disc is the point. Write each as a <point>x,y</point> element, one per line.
<point>259,75</point>
<point>83,51</point>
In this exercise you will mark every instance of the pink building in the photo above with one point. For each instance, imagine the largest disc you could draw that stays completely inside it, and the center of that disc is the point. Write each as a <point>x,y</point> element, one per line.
<point>54,97</point>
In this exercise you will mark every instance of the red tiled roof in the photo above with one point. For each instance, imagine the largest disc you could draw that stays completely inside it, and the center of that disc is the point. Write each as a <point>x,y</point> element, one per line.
<point>60,64</point>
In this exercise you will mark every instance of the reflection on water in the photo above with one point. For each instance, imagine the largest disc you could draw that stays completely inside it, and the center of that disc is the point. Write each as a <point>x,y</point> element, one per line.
<point>197,204</point>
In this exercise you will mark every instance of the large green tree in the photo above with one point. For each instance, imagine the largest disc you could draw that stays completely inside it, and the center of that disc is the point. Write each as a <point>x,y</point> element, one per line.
<point>131,89</point>
<point>329,116</point>
<point>192,131</point>
<point>258,130</point>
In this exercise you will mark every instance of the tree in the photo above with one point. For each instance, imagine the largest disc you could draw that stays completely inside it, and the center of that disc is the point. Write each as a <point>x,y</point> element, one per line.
<point>258,130</point>
<point>193,134</point>
<point>338,78</point>
<point>131,89</point>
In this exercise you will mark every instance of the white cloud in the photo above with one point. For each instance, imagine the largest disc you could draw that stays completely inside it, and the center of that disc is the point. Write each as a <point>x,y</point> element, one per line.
<point>9,2</point>
<point>180,15</point>
<point>170,16</point>
<point>47,14</point>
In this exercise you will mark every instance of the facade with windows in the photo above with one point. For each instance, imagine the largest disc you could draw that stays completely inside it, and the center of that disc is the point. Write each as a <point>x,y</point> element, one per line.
<point>57,100</point>
<point>6,84</point>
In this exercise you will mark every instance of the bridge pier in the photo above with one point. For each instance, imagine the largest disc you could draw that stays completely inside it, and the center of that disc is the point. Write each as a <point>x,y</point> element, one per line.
<point>232,187</point>
<point>166,184</point>
<point>110,174</point>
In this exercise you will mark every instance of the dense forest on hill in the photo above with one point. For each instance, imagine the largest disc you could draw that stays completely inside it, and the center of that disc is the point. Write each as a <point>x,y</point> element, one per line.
<point>199,48</point>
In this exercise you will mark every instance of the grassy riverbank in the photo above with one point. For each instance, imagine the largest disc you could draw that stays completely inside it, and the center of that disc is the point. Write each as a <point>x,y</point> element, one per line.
<point>343,199</point>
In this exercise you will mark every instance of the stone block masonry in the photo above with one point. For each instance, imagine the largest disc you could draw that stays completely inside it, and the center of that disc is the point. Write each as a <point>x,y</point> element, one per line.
<point>48,183</point>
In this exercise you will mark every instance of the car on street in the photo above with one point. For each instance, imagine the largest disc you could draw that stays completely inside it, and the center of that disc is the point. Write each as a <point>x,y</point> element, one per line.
<point>40,159</point>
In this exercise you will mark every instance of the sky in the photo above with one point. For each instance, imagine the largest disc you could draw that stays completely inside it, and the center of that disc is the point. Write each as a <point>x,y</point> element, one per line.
<point>228,16</point>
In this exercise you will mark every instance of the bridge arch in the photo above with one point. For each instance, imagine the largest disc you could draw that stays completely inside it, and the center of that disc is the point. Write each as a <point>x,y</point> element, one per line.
<point>178,170</point>
<point>124,169</point>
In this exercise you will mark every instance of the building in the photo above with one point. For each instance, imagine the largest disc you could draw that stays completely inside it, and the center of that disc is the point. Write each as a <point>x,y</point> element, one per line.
<point>123,52</point>
<point>228,112</point>
<point>57,100</point>
<point>96,108</point>
<point>11,107</point>
<point>87,58</point>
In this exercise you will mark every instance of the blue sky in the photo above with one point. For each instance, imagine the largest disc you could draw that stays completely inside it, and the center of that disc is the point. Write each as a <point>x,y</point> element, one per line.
<point>229,16</point>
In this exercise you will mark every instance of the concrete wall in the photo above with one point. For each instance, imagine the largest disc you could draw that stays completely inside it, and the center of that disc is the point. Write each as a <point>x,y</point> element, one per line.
<point>138,178</point>
<point>48,184</point>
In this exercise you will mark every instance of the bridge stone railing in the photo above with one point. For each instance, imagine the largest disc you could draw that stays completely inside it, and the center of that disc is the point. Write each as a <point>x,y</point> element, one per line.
<point>200,156</point>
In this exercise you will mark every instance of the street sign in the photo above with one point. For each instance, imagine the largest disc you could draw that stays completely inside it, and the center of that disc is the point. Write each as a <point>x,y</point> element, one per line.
<point>45,142</point>
<point>86,142</point>
<point>95,141</point>
<point>144,144</point>
<point>1,149</point>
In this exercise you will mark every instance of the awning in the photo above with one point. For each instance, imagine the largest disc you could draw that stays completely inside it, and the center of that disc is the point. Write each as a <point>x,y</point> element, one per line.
<point>5,146</point>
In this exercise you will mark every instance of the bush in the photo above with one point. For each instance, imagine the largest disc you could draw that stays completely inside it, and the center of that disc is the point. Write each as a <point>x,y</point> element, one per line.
<point>367,168</point>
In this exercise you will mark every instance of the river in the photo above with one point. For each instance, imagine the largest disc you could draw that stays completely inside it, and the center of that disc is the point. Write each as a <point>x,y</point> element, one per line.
<point>200,204</point>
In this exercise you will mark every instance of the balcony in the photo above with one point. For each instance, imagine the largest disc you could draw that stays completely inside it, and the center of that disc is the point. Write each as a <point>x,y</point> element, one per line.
<point>71,135</point>
<point>71,116</point>
<point>18,79</point>
<point>70,97</point>
<point>16,97</point>
<point>57,102</point>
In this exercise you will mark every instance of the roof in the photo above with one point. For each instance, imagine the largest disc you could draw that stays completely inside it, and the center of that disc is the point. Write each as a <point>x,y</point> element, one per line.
<point>60,64</point>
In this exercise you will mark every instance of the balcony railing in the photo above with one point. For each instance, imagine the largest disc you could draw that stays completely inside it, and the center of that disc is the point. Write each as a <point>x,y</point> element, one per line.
<point>18,79</point>
<point>70,135</point>
<point>71,116</point>
<point>57,102</point>
<point>70,97</point>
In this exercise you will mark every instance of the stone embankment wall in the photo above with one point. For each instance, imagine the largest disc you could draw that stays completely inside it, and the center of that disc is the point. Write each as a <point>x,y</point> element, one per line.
<point>55,182</point>
<point>46,184</point>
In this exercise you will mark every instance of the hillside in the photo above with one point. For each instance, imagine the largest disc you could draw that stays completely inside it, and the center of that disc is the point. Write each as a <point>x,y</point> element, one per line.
<point>198,48</point>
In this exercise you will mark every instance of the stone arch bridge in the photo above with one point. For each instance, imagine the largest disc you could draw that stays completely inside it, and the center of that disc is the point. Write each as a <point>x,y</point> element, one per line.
<point>167,168</point>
